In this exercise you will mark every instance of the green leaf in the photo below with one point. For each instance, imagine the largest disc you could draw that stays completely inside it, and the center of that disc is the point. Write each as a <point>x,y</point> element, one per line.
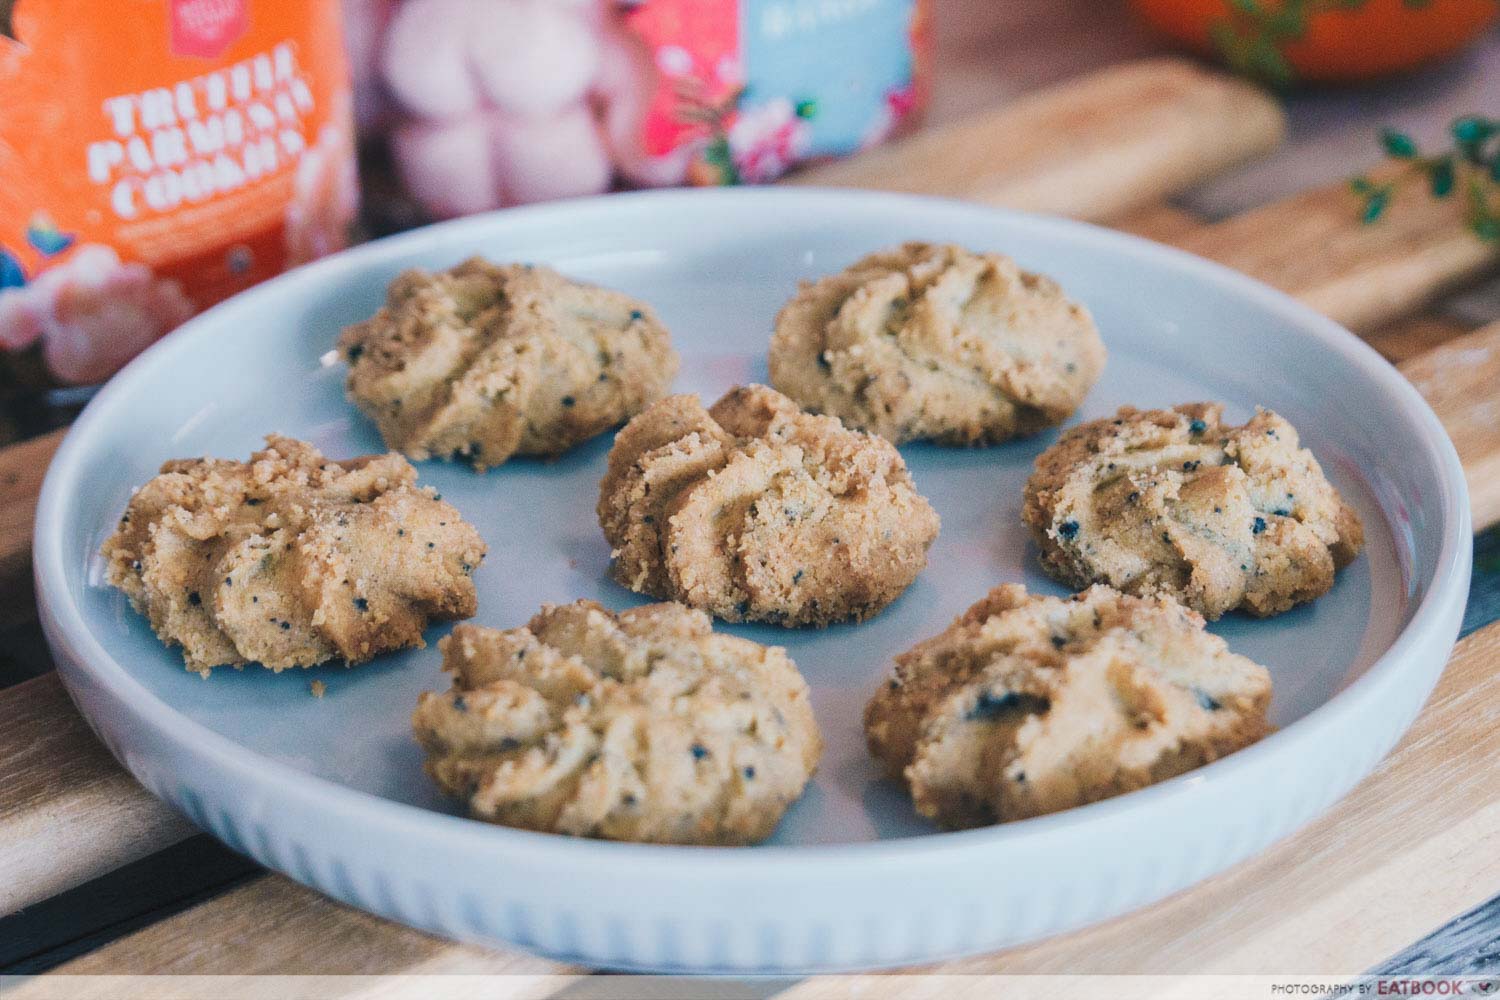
<point>807,109</point>
<point>1375,205</point>
<point>1398,144</point>
<point>1267,62</point>
<point>1473,128</point>
<point>1441,176</point>
<point>1361,185</point>
<point>1487,228</point>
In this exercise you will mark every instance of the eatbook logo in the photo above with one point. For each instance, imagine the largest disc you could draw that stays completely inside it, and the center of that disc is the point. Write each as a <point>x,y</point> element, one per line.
<point>205,28</point>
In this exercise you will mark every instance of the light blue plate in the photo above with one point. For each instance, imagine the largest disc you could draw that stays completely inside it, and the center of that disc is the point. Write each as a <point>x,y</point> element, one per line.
<point>718,265</point>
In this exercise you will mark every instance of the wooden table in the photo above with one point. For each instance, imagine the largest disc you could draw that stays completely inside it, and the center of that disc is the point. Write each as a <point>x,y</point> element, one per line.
<point>112,882</point>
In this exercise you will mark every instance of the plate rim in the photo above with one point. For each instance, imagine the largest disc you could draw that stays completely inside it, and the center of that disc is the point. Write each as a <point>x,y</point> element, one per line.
<point>66,627</point>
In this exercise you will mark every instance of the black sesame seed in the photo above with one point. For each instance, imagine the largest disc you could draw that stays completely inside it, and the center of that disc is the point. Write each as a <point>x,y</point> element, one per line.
<point>254,599</point>
<point>568,401</point>
<point>194,599</point>
<point>749,773</point>
<point>699,751</point>
<point>431,545</point>
<point>360,604</point>
<point>1190,466</point>
<point>1197,427</point>
<point>252,502</point>
<point>1068,530</point>
<point>459,705</point>
<point>1258,525</point>
<point>400,532</point>
<point>1134,496</point>
<point>1208,701</point>
<point>1059,642</point>
<point>286,626</point>
<point>629,799</point>
<point>648,519</point>
<point>229,581</point>
<point>989,705</point>
<point>797,576</point>
<point>1281,512</point>
<point>636,315</point>
<point>1020,775</point>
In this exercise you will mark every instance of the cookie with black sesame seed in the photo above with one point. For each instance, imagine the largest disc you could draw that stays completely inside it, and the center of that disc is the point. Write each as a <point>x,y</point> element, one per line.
<point>935,342</point>
<point>1028,704</point>
<point>484,361</point>
<point>292,559</point>
<point>755,511</point>
<point>644,725</point>
<point>1223,517</point>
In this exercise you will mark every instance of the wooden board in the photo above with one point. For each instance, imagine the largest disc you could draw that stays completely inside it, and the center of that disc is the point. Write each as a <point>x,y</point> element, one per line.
<point>1094,147</point>
<point>68,812</point>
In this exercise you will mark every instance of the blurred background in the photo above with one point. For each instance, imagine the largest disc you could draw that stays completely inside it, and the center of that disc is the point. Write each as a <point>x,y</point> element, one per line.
<point>259,136</point>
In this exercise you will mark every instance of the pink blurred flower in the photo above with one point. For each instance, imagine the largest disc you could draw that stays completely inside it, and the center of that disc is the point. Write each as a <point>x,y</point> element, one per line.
<point>767,139</point>
<point>325,197</point>
<point>899,102</point>
<point>92,313</point>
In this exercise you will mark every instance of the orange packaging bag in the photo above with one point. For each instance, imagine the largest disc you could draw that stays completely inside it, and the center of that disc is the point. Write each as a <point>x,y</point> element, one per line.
<point>157,156</point>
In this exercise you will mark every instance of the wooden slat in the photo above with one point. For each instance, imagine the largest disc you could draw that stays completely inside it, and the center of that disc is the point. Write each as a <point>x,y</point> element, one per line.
<point>1094,147</point>
<point>22,467</point>
<point>1459,378</point>
<point>1312,246</point>
<point>1406,338</point>
<point>1341,895</point>
<point>68,812</point>
<point>271,926</point>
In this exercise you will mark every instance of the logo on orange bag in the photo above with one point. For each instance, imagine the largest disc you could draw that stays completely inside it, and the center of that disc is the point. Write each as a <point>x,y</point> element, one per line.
<point>205,28</point>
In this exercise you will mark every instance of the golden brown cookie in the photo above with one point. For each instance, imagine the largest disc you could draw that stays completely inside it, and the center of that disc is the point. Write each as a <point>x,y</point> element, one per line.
<point>924,341</point>
<point>756,511</point>
<point>645,726</point>
<point>1028,704</point>
<point>485,361</point>
<point>1222,517</point>
<point>292,559</point>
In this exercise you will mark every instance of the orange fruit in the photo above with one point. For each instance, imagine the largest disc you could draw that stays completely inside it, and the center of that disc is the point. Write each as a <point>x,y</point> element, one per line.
<point>1338,40</point>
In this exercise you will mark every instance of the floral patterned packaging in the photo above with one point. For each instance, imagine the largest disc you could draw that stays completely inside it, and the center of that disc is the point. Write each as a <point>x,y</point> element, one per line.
<point>158,156</point>
<point>512,101</point>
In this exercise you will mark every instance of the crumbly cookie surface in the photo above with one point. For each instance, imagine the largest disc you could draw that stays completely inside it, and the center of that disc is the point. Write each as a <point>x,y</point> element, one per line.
<point>485,361</point>
<point>292,559</point>
<point>1028,704</point>
<point>1222,517</point>
<point>644,726</point>
<point>756,511</point>
<point>927,341</point>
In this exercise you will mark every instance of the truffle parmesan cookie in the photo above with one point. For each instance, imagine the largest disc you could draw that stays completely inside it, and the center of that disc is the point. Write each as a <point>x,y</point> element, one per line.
<point>1178,502</point>
<point>485,361</point>
<point>925,341</point>
<point>756,511</point>
<point>1028,704</point>
<point>644,725</point>
<point>291,559</point>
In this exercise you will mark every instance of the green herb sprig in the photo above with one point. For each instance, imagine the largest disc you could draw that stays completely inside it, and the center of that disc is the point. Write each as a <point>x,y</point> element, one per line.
<point>1470,166</point>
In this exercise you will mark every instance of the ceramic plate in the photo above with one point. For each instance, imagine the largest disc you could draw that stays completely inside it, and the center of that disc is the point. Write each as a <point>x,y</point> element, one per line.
<point>331,791</point>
